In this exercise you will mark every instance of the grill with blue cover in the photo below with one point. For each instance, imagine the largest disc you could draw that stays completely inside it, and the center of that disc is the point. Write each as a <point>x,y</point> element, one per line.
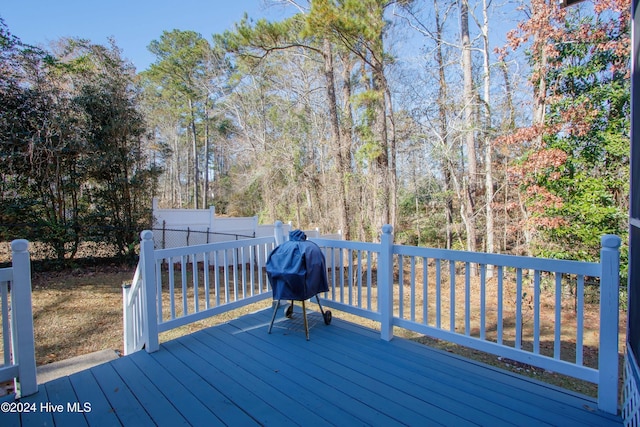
<point>297,271</point>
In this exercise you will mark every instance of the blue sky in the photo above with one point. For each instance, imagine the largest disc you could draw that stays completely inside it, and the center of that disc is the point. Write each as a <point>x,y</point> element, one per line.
<point>133,23</point>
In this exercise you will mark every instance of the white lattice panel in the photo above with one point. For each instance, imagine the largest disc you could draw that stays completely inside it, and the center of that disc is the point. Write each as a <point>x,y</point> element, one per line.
<point>631,406</point>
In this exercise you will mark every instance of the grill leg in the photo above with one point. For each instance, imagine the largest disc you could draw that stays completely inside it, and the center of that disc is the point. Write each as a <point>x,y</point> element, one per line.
<point>306,325</point>
<point>326,315</point>
<point>320,305</point>
<point>273,316</point>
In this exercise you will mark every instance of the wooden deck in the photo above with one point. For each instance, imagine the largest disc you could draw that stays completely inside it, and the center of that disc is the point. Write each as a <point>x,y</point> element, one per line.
<point>236,374</point>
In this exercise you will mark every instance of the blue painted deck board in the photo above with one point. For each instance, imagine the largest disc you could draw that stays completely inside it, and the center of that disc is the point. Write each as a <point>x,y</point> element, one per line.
<point>11,419</point>
<point>241,394</point>
<point>321,385</point>
<point>86,387</point>
<point>318,411</point>
<point>237,374</point>
<point>61,394</point>
<point>469,387</point>
<point>404,382</point>
<point>193,410</point>
<point>124,403</point>
<point>37,417</point>
<point>399,408</point>
<point>294,375</point>
<point>225,410</point>
<point>260,390</point>
<point>159,408</point>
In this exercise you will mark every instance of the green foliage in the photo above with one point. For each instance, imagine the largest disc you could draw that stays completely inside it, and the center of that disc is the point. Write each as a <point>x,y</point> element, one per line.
<point>422,217</point>
<point>181,57</point>
<point>591,114</point>
<point>357,19</point>
<point>70,141</point>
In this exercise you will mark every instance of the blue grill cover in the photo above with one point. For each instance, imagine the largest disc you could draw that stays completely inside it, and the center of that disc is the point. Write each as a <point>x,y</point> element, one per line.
<point>296,269</point>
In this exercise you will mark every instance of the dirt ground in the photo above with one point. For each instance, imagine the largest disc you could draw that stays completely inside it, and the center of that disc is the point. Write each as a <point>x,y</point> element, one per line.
<point>78,312</point>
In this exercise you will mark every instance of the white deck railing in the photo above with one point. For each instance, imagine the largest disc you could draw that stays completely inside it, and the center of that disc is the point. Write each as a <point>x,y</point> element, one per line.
<point>16,317</point>
<point>193,283</point>
<point>530,310</point>
<point>504,309</point>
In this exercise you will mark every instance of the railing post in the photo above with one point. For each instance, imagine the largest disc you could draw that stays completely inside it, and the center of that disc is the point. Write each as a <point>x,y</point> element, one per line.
<point>127,321</point>
<point>22,314</point>
<point>385,283</point>
<point>278,232</point>
<point>150,317</point>
<point>609,313</point>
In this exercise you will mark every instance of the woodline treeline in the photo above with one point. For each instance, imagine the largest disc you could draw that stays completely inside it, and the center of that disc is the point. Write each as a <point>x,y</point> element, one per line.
<point>466,125</point>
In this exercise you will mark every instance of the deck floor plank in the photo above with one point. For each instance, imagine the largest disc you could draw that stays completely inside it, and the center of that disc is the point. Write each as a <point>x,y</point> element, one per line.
<point>469,389</point>
<point>418,387</point>
<point>563,403</point>
<point>504,378</point>
<point>88,390</point>
<point>277,399</point>
<point>125,404</point>
<point>34,416</point>
<point>323,412</point>
<point>8,417</point>
<point>328,403</point>
<point>238,374</point>
<point>194,411</point>
<point>61,395</point>
<point>561,406</point>
<point>365,387</point>
<point>160,409</point>
<point>241,395</point>
<point>224,409</point>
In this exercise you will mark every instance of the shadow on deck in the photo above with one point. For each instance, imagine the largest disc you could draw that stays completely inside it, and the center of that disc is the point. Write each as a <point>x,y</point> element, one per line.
<point>237,374</point>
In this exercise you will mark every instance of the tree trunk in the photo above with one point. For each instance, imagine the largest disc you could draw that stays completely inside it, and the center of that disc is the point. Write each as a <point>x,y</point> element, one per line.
<point>469,125</point>
<point>393,170</point>
<point>508,91</point>
<point>540,92</point>
<point>539,109</point>
<point>196,171</point>
<point>442,119</point>
<point>488,152</point>
<point>205,184</point>
<point>383,178</point>
<point>507,127</point>
<point>346,133</point>
<point>337,140</point>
